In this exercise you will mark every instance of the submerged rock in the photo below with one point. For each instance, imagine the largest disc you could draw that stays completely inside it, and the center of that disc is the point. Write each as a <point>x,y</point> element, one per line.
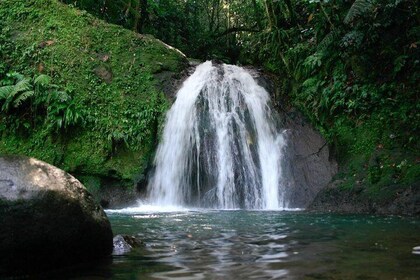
<point>47,218</point>
<point>123,244</point>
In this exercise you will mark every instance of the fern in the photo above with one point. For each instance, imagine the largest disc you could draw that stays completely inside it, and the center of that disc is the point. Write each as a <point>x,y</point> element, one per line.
<point>62,96</point>
<point>5,91</point>
<point>22,98</point>
<point>22,85</point>
<point>358,8</point>
<point>41,95</point>
<point>42,80</point>
<point>12,95</point>
<point>328,40</point>
<point>15,76</point>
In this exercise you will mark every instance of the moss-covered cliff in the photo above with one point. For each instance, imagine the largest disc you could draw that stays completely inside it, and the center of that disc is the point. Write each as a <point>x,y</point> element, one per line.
<point>109,74</point>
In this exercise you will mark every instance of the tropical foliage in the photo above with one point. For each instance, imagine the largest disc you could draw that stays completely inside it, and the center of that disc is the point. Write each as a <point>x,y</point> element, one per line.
<point>352,67</point>
<point>79,93</point>
<point>27,102</point>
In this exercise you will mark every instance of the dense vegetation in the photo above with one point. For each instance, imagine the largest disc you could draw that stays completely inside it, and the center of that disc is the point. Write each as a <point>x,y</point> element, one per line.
<point>79,93</point>
<point>350,66</point>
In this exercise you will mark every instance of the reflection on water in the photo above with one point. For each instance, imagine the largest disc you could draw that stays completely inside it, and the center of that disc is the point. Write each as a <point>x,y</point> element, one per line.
<point>263,245</point>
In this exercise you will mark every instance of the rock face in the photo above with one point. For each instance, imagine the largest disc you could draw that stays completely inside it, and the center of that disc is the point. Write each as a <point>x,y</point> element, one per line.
<point>337,200</point>
<point>47,218</point>
<point>309,166</point>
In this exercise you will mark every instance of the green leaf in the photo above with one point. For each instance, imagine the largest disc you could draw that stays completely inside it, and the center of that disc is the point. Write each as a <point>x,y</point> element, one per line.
<point>42,80</point>
<point>5,91</point>
<point>399,63</point>
<point>358,8</point>
<point>22,98</point>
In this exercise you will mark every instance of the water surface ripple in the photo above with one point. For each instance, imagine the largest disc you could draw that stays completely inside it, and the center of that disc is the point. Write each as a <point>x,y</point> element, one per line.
<point>242,244</point>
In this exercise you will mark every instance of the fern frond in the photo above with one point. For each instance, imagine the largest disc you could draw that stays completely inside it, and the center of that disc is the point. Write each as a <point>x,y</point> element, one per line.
<point>22,85</point>
<point>62,96</point>
<point>358,8</point>
<point>42,80</point>
<point>5,91</point>
<point>15,75</point>
<point>328,40</point>
<point>22,97</point>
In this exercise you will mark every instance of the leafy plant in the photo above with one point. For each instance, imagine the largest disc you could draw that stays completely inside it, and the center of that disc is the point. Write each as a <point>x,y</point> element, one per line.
<point>358,8</point>
<point>12,96</point>
<point>37,99</point>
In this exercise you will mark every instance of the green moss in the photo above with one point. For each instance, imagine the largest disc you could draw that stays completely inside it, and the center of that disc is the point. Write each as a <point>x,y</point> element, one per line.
<point>412,175</point>
<point>86,152</point>
<point>372,159</point>
<point>92,183</point>
<point>38,144</point>
<point>109,72</point>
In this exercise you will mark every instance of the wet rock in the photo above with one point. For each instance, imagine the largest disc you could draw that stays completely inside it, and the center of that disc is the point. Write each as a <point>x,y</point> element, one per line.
<point>47,218</point>
<point>114,195</point>
<point>123,244</point>
<point>308,163</point>
<point>402,201</point>
<point>194,62</point>
<point>121,247</point>
<point>169,82</point>
<point>338,200</point>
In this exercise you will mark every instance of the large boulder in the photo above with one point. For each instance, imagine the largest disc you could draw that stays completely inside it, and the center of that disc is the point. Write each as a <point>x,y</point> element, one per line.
<point>309,166</point>
<point>47,218</point>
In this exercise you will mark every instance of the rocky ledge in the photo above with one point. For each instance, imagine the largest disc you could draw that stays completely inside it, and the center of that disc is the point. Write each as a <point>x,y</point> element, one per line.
<point>400,201</point>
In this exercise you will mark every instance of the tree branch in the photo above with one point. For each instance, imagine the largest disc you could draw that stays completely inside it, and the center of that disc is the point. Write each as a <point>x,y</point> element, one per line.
<point>236,30</point>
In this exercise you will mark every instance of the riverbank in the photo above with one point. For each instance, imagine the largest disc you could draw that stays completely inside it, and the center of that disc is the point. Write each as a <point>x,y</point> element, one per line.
<point>393,200</point>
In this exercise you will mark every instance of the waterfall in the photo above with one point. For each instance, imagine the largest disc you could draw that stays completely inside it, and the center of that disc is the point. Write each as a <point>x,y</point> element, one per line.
<point>220,147</point>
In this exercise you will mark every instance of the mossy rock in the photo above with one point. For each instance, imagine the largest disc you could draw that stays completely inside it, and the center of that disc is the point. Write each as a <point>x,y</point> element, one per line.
<point>112,75</point>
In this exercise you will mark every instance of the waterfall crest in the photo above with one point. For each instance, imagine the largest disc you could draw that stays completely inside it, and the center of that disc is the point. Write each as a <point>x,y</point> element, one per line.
<point>220,147</point>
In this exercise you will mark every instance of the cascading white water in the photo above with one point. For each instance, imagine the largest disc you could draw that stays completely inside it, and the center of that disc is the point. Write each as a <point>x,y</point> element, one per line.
<point>220,147</point>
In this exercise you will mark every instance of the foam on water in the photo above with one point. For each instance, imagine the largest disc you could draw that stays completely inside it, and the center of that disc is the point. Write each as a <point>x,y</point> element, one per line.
<point>143,207</point>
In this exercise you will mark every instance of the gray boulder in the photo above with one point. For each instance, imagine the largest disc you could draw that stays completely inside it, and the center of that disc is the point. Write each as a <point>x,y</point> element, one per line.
<point>308,164</point>
<point>123,244</point>
<point>47,218</point>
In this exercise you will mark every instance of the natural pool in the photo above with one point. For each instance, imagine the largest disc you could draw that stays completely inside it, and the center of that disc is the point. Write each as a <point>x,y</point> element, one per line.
<point>239,244</point>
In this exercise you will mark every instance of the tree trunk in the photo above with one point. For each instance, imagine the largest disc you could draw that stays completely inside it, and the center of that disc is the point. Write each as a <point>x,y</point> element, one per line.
<point>268,10</point>
<point>292,12</point>
<point>257,14</point>
<point>144,15</point>
<point>326,15</point>
<point>136,16</point>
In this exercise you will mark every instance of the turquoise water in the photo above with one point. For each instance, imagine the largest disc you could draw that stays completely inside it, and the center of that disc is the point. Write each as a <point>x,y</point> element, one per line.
<point>263,245</point>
